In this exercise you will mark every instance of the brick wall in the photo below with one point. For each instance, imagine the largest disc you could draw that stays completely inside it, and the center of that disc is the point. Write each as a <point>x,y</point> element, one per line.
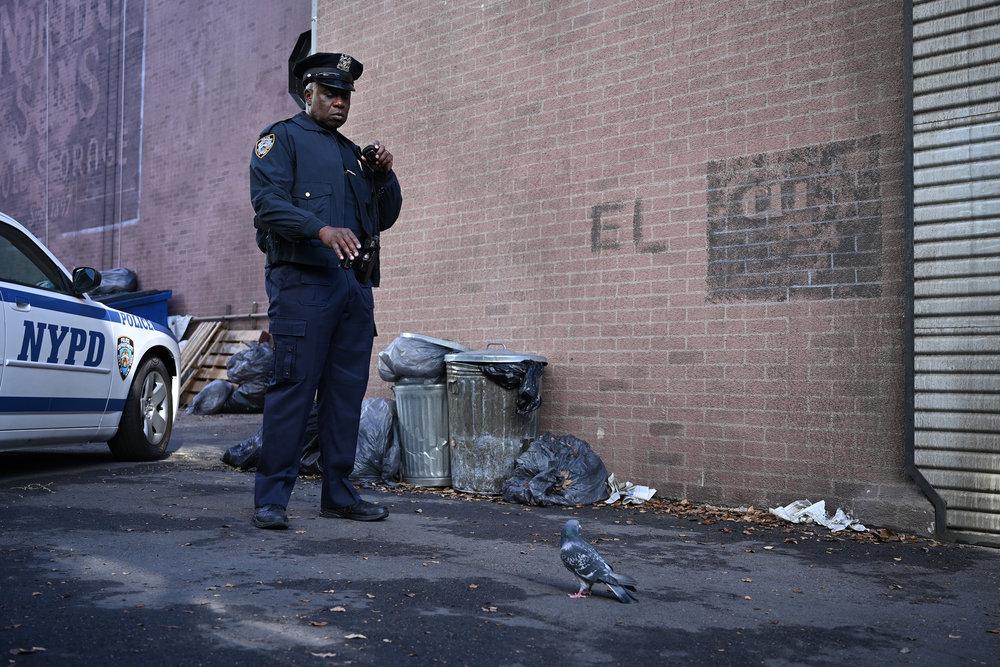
<point>693,209</point>
<point>132,147</point>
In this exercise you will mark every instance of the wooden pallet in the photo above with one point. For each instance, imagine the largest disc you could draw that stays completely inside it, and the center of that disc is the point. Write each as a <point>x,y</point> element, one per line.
<point>209,360</point>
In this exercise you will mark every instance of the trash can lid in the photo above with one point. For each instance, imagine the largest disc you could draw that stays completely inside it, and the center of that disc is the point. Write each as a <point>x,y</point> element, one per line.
<point>450,344</point>
<point>494,355</point>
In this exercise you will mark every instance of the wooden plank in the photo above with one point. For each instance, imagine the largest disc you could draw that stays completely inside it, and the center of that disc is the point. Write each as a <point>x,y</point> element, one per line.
<point>196,347</point>
<point>211,374</point>
<point>227,348</point>
<point>243,336</point>
<point>217,360</point>
<point>215,331</point>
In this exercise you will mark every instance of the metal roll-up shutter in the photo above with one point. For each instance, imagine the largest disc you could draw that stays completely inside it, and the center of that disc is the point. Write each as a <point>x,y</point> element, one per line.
<point>956,260</point>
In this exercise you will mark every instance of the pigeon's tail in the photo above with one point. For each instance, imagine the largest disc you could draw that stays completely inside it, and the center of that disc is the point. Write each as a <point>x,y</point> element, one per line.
<point>624,581</point>
<point>622,594</point>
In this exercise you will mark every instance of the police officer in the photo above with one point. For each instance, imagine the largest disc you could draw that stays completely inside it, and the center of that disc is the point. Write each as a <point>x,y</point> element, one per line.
<point>318,200</point>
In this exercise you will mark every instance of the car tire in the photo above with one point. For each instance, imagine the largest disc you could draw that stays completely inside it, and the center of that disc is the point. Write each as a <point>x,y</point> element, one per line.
<point>148,415</point>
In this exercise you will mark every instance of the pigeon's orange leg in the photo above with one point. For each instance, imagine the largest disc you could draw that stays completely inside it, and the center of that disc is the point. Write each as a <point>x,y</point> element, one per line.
<point>584,592</point>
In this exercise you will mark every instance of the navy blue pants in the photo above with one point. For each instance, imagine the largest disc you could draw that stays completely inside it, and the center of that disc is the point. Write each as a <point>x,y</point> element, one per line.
<point>322,325</point>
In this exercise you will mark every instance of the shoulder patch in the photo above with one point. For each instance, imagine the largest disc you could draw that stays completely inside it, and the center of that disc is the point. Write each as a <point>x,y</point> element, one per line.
<point>264,145</point>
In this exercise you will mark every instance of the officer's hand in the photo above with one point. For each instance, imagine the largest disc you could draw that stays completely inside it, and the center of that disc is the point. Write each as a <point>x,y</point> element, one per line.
<point>341,240</point>
<point>383,159</point>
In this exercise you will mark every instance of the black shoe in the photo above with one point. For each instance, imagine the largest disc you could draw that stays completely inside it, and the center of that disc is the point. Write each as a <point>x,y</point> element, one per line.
<point>272,517</point>
<point>359,511</point>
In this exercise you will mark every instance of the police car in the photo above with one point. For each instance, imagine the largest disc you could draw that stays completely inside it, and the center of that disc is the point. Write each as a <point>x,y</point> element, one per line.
<point>75,370</point>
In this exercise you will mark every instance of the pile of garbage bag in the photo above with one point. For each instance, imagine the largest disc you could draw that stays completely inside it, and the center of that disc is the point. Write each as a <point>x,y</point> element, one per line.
<point>115,281</point>
<point>249,373</point>
<point>377,458</point>
<point>414,357</point>
<point>557,470</point>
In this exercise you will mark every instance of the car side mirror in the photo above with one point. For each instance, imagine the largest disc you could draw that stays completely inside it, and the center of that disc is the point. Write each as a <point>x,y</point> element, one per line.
<point>85,279</point>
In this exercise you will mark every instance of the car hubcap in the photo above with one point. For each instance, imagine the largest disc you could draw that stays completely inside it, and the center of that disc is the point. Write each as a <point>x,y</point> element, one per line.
<point>154,404</point>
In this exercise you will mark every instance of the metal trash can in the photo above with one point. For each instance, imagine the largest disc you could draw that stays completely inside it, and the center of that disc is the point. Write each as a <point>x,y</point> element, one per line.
<point>485,432</point>
<point>422,416</point>
<point>422,419</point>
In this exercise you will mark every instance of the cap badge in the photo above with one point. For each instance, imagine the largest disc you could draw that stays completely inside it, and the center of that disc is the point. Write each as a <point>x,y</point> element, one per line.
<point>264,145</point>
<point>345,63</point>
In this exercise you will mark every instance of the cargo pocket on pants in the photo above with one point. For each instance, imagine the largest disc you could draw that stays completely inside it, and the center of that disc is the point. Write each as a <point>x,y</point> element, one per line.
<point>287,335</point>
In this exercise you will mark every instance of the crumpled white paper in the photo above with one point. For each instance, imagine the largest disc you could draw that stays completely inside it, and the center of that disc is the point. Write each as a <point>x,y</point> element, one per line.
<point>806,511</point>
<point>628,493</point>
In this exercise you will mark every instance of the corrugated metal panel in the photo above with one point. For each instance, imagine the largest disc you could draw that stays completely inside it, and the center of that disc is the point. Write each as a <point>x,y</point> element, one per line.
<point>956,252</point>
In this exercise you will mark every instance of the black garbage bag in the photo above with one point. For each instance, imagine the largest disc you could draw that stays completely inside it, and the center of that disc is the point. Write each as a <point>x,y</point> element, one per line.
<point>560,470</point>
<point>254,363</point>
<point>248,397</point>
<point>212,398</point>
<point>523,376</point>
<point>114,281</point>
<point>246,454</point>
<point>377,459</point>
<point>411,358</point>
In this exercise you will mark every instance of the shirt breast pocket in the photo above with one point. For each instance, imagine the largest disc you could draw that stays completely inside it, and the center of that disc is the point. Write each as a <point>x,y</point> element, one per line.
<point>317,198</point>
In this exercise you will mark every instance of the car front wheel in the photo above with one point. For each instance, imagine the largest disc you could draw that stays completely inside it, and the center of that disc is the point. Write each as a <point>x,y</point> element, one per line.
<point>148,415</point>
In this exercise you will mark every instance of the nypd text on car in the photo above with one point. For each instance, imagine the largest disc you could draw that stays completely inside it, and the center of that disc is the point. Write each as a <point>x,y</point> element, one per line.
<point>75,370</point>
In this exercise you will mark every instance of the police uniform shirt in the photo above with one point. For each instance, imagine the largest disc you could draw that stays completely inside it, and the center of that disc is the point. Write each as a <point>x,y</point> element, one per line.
<point>302,178</point>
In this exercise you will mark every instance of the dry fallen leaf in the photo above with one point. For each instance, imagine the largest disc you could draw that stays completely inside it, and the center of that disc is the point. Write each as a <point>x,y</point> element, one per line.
<point>747,580</point>
<point>26,651</point>
<point>473,586</point>
<point>369,596</point>
<point>747,597</point>
<point>411,595</point>
<point>337,609</point>
<point>489,610</point>
<point>319,624</point>
<point>995,631</point>
<point>355,635</point>
<point>324,655</point>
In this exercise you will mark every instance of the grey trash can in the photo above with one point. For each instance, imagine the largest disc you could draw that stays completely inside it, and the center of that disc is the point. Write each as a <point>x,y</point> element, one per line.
<point>485,432</point>
<point>422,420</point>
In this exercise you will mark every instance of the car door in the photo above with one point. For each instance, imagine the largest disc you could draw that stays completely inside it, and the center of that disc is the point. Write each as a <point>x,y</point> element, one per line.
<point>57,353</point>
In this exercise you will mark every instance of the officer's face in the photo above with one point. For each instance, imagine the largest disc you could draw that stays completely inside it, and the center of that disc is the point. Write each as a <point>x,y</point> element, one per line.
<point>328,106</point>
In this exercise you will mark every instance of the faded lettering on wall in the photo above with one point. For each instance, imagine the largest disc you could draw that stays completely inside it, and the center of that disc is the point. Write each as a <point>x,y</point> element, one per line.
<point>601,226</point>
<point>70,94</point>
<point>796,224</point>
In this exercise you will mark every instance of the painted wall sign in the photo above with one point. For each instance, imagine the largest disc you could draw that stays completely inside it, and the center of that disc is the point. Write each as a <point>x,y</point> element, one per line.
<point>797,224</point>
<point>71,83</point>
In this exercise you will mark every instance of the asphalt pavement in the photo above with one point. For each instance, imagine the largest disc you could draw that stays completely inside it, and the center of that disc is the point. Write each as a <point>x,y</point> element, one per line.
<point>157,563</point>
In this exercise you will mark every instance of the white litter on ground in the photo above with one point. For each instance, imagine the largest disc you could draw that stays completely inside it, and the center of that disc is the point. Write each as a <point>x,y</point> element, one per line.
<point>628,493</point>
<point>806,511</point>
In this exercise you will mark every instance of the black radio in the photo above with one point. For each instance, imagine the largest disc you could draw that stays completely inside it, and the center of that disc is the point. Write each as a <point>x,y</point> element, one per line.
<point>366,260</point>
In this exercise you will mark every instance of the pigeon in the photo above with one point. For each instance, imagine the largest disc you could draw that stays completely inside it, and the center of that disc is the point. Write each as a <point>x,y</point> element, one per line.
<point>590,568</point>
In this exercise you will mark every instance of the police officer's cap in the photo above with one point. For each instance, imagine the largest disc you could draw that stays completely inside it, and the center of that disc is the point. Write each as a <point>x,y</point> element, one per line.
<point>336,70</point>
